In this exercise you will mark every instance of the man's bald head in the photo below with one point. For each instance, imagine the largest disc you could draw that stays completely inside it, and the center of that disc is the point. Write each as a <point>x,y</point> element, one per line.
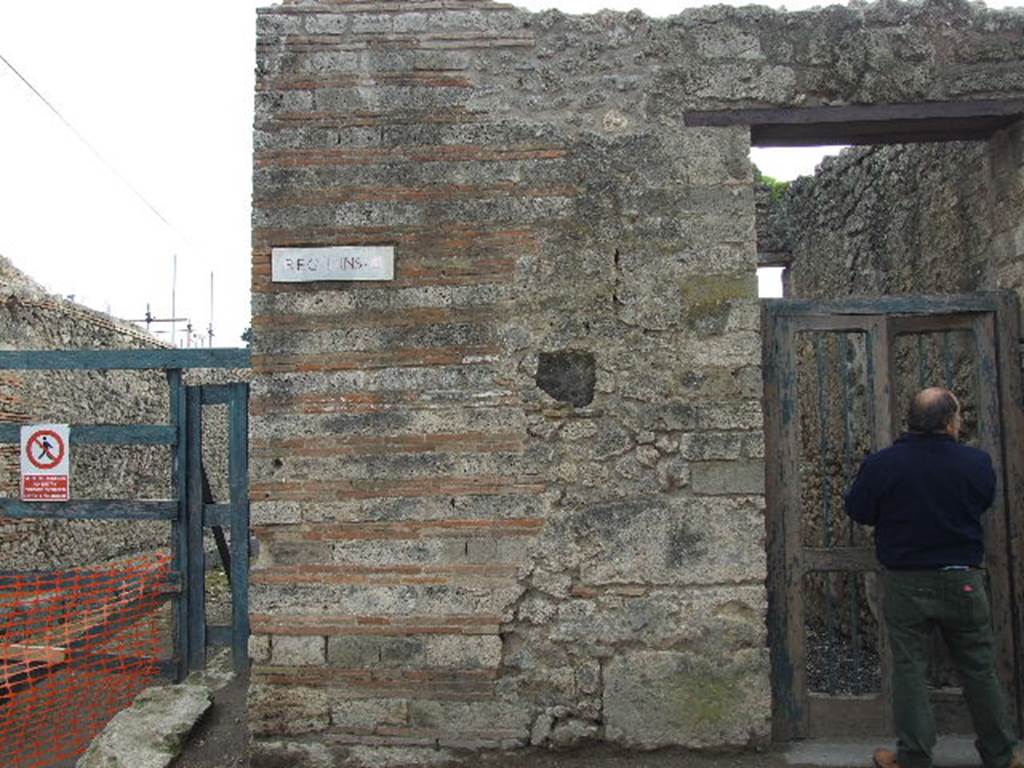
<point>934,410</point>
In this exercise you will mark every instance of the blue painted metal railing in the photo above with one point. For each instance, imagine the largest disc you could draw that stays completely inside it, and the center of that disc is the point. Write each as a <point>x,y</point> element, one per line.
<point>123,359</point>
<point>188,513</point>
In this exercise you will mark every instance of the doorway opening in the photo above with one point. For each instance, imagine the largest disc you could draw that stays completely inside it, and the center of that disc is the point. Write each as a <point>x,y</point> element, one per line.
<point>775,168</point>
<point>926,202</point>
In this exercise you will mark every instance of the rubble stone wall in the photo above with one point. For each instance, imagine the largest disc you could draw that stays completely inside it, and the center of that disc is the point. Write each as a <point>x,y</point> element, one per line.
<point>515,495</point>
<point>889,220</point>
<point>917,218</point>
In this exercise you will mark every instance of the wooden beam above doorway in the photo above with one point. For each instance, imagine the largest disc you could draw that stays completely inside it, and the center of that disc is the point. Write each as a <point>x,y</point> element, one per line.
<point>862,124</point>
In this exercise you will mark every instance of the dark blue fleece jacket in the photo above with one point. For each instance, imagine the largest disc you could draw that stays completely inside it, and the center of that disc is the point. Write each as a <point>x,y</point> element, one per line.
<point>925,495</point>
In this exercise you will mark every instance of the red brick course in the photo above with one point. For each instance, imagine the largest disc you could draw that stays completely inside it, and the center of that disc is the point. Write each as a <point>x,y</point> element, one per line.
<point>334,195</point>
<point>393,358</point>
<point>450,153</point>
<point>310,82</point>
<point>415,316</point>
<point>341,574</point>
<point>363,402</point>
<point>432,684</point>
<point>398,530</point>
<point>335,445</point>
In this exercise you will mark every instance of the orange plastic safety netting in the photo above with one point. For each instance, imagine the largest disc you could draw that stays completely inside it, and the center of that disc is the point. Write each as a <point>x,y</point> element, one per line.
<point>75,648</point>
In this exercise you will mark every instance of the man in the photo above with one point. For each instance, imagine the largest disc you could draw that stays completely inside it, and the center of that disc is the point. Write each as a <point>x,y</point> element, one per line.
<point>925,496</point>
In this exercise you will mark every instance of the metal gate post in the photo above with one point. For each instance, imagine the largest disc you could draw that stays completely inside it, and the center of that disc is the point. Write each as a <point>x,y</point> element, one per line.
<point>195,580</point>
<point>232,514</point>
<point>238,469</point>
<point>179,527</point>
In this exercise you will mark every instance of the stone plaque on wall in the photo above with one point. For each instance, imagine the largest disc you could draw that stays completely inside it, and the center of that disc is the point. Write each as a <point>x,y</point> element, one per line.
<point>345,262</point>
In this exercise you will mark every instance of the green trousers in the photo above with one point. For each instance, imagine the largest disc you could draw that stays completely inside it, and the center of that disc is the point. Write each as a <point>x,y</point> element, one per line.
<point>956,602</point>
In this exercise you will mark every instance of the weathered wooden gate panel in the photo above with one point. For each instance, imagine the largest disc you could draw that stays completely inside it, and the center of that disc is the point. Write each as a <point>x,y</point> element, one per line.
<point>838,377</point>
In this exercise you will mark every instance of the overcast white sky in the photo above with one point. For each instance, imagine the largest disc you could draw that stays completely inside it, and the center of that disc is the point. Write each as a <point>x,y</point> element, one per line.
<point>163,92</point>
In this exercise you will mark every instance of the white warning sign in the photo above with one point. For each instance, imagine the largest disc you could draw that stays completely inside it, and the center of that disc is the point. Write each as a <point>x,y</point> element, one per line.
<point>45,462</point>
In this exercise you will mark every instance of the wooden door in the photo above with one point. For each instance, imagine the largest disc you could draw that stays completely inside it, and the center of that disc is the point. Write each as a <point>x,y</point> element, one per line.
<point>838,379</point>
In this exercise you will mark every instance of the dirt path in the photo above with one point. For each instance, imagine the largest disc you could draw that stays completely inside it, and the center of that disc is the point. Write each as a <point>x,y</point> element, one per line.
<point>221,740</point>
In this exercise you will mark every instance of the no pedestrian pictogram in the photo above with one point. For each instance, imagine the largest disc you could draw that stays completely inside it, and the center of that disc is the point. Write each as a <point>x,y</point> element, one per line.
<point>45,449</point>
<point>45,462</point>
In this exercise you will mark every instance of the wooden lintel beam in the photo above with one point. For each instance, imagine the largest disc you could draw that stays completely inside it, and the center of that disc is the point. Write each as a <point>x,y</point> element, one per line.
<point>860,124</point>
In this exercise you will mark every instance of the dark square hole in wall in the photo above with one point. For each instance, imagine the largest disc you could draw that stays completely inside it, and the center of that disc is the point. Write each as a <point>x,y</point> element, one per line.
<point>568,376</point>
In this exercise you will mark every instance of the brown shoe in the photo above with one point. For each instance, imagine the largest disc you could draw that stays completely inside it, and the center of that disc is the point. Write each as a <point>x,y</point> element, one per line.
<point>886,758</point>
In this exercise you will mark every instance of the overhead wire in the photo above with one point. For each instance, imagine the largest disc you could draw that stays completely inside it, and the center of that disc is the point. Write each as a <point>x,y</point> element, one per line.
<point>95,152</point>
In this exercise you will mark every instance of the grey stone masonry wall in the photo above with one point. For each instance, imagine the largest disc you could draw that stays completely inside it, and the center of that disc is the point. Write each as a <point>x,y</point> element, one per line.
<point>919,218</point>
<point>890,220</point>
<point>515,495</point>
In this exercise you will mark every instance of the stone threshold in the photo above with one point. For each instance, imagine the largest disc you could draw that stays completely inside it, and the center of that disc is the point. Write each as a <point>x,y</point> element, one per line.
<point>950,752</point>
